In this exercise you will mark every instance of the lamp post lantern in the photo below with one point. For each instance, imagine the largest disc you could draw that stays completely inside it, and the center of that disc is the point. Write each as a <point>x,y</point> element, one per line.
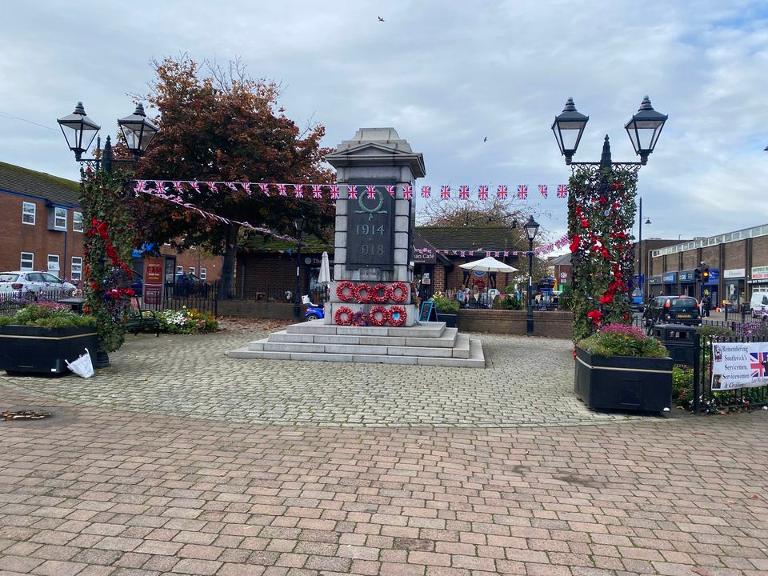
<point>79,131</point>
<point>298,223</point>
<point>531,228</point>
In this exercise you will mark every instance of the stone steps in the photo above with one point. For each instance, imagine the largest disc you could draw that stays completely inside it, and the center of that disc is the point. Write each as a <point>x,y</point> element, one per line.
<point>474,357</point>
<point>428,343</point>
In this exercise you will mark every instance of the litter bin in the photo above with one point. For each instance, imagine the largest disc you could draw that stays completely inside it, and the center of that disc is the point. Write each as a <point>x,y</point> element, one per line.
<point>680,340</point>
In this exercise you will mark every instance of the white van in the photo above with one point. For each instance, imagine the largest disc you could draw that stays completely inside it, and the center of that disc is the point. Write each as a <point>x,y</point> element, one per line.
<point>759,304</point>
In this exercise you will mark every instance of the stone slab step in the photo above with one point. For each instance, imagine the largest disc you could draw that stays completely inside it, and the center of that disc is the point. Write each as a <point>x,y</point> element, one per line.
<point>461,350</point>
<point>423,330</point>
<point>446,340</point>
<point>476,357</point>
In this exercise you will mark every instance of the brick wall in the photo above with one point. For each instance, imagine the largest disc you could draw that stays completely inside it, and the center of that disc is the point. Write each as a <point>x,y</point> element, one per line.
<point>734,255</point>
<point>251,309</point>
<point>269,274</point>
<point>197,259</point>
<point>760,251</point>
<point>690,260</point>
<point>547,324</point>
<point>710,255</point>
<point>17,237</point>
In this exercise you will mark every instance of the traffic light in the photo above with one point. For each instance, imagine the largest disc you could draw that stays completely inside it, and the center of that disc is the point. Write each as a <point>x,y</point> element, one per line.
<point>697,274</point>
<point>705,274</point>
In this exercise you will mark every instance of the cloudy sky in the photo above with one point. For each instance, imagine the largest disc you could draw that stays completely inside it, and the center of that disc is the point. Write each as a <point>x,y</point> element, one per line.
<point>446,75</point>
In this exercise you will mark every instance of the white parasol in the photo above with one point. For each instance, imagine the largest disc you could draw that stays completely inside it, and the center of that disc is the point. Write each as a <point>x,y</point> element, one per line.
<point>488,264</point>
<point>325,270</point>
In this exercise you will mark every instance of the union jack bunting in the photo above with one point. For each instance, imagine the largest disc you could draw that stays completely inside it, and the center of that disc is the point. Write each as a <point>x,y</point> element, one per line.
<point>370,191</point>
<point>351,192</point>
<point>317,191</point>
<point>212,186</point>
<point>232,186</point>
<point>426,191</point>
<point>390,190</point>
<point>445,192</point>
<point>522,191</point>
<point>562,191</point>
<point>160,185</point>
<point>281,190</point>
<point>195,186</point>
<point>464,192</point>
<point>140,186</point>
<point>298,191</point>
<point>334,192</point>
<point>407,192</point>
<point>482,193</point>
<point>759,364</point>
<point>179,187</point>
<point>501,192</point>
<point>264,188</point>
<point>543,190</point>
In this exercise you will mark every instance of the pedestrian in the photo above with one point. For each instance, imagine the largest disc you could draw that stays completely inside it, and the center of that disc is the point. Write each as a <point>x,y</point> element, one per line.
<point>705,306</point>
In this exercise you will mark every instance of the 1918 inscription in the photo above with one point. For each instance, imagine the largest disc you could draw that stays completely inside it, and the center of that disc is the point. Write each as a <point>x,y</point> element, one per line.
<point>370,230</point>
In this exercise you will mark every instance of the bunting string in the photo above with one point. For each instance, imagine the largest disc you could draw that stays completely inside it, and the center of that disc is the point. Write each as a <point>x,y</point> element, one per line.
<point>538,251</point>
<point>481,192</point>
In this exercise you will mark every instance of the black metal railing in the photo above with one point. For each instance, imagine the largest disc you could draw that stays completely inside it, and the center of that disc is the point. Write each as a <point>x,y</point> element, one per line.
<point>203,296</point>
<point>11,301</point>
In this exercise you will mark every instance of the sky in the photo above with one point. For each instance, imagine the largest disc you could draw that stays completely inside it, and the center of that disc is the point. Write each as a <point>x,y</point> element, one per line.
<point>474,86</point>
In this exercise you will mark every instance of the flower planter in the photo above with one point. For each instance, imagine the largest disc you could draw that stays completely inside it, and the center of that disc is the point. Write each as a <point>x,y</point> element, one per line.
<point>623,382</point>
<point>36,350</point>
<point>449,319</point>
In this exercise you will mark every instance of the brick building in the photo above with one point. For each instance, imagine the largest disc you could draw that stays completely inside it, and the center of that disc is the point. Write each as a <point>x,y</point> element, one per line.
<point>737,263</point>
<point>42,223</point>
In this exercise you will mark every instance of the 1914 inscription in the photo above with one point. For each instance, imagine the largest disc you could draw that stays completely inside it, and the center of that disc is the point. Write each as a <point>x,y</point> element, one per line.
<point>370,230</point>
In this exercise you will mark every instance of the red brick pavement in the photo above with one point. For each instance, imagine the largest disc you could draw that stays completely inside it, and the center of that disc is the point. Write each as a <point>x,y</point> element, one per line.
<point>94,492</point>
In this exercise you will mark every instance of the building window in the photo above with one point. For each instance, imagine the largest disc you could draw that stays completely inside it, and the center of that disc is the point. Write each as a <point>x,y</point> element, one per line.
<point>28,210</point>
<point>192,270</point>
<point>27,261</point>
<point>53,263</point>
<point>76,272</point>
<point>179,269</point>
<point>203,273</point>
<point>77,221</point>
<point>60,218</point>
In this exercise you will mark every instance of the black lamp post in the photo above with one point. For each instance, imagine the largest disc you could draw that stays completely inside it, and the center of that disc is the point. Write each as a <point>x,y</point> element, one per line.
<point>641,261</point>
<point>79,131</point>
<point>531,229</point>
<point>298,223</point>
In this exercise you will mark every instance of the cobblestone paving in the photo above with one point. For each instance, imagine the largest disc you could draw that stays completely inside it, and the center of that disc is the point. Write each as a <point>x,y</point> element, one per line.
<point>527,382</point>
<point>95,491</point>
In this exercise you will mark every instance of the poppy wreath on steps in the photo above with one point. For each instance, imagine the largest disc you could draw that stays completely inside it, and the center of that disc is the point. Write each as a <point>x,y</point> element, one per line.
<point>378,316</point>
<point>345,291</point>
<point>398,292</point>
<point>380,293</point>
<point>363,293</point>
<point>343,316</point>
<point>397,316</point>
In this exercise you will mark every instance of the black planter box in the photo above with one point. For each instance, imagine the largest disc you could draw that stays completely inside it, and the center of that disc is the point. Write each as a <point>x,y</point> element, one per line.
<point>449,319</point>
<point>35,350</point>
<point>623,382</point>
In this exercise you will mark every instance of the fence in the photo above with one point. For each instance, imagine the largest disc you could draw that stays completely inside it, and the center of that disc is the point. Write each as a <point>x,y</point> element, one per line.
<point>11,301</point>
<point>203,297</point>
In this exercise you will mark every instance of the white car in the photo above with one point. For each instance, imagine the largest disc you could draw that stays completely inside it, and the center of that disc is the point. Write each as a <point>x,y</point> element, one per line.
<point>34,284</point>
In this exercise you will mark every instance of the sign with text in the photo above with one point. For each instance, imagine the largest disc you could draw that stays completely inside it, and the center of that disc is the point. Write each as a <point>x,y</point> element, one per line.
<point>371,230</point>
<point>739,365</point>
<point>153,283</point>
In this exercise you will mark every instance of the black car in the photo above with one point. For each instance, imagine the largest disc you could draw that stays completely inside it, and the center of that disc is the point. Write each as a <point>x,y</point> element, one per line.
<point>672,310</point>
<point>190,285</point>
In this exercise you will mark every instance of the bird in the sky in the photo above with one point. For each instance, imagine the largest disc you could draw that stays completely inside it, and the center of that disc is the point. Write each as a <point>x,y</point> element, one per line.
<point>485,139</point>
<point>380,19</point>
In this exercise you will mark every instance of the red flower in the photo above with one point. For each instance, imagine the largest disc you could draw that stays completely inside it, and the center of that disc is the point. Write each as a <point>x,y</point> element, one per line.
<point>603,200</point>
<point>617,186</point>
<point>606,298</point>
<point>584,223</point>
<point>575,242</point>
<point>595,315</point>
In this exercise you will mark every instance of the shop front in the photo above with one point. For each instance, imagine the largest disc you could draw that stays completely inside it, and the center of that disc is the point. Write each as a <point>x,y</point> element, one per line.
<point>710,287</point>
<point>734,287</point>
<point>758,280</point>
<point>669,280</point>
<point>687,283</point>
<point>655,286</point>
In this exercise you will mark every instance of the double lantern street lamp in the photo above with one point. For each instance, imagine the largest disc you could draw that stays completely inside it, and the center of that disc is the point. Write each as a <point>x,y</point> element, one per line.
<point>79,130</point>
<point>644,129</point>
<point>531,228</point>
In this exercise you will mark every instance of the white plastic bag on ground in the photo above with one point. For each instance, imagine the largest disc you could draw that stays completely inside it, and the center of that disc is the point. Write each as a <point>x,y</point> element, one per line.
<point>82,366</point>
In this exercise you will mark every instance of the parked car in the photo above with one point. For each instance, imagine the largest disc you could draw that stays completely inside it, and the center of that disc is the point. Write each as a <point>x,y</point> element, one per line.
<point>672,310</point>
<point>758,304</point>
<point>34,284</point>
<point>189,285</point>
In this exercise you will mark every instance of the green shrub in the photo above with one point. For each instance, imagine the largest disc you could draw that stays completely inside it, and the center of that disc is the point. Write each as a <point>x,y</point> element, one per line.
<point>445,305</point>
<point>682,385</point>
<point>623,340</point>
<point>186,321</point>
<point>48,315</point>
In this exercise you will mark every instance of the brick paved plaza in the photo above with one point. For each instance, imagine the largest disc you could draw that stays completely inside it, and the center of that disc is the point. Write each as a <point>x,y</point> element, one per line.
<point>180,460</point>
